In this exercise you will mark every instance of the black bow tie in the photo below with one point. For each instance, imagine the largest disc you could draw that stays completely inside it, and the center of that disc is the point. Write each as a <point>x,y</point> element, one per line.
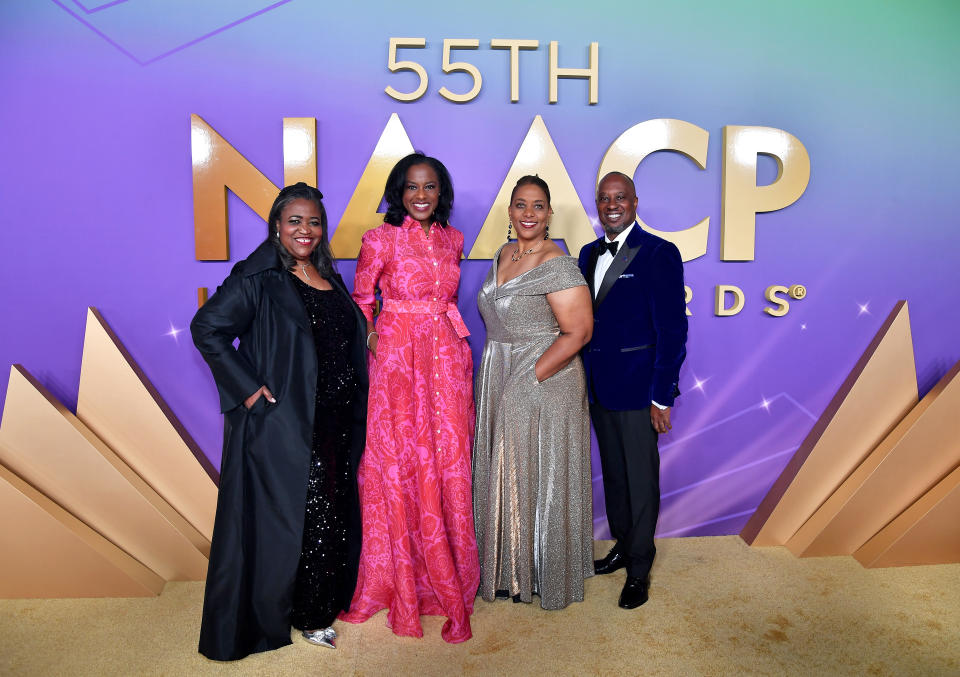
<point>609,247</point>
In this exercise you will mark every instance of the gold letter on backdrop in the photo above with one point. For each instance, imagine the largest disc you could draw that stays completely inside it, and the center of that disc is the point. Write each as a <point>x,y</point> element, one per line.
<point>514,46</point>
<point>720,300</point>
<point>537,155</point>
<point>361,213</point>
<point>627,152</point>
<point>462,67</point>
<point>299,151</point>
<point>742,197</point>
<point>218,166</point>
<point>782,306</point>
<point>395,66</point>
<point>591,73</point>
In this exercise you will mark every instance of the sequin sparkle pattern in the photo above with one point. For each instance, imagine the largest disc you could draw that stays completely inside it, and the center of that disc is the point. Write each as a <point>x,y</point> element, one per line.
<point>531,461</point>
<point>318,593</point>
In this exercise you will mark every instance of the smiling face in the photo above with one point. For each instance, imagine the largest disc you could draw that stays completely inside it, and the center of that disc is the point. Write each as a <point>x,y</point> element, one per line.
<point>421,193</point>
<point>616,204</point>
<point>300,228</point>
<point>529,212</point>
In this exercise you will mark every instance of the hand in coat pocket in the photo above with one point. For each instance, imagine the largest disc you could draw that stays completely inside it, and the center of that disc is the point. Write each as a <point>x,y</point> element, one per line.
<point>263,391</point>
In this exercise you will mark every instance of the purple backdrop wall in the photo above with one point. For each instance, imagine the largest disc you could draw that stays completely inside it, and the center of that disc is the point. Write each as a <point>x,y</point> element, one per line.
<point>96,197</point>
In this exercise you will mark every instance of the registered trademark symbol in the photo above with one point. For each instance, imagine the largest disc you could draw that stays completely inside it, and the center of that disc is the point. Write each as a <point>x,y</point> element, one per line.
<point>797,291</point>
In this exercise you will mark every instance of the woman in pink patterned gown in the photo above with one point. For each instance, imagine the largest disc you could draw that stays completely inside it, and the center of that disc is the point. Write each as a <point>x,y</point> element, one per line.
<point>419,551</point>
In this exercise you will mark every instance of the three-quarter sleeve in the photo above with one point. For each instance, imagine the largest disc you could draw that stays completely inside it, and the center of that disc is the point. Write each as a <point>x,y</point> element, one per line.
<point>370,264</point>
<point>225,316</point>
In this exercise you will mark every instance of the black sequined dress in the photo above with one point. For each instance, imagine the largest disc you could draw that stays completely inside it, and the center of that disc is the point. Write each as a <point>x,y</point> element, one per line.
<point>319,589</point>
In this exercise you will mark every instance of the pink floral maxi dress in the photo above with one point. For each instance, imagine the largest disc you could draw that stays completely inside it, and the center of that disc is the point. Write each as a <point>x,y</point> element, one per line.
<point>419,551</point>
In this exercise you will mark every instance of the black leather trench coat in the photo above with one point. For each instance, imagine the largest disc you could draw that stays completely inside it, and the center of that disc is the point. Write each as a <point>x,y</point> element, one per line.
<point>258,529</point>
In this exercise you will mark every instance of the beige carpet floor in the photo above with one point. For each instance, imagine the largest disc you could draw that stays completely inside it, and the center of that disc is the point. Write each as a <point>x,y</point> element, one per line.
<point>717,607</point>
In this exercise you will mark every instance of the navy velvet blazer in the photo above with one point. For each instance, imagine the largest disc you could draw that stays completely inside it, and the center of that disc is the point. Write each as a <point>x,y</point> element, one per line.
<point>639,323</point>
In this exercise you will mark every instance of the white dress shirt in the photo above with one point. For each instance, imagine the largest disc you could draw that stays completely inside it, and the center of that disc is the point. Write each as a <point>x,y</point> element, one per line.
<point>606,258</point>
<point>603,264</point>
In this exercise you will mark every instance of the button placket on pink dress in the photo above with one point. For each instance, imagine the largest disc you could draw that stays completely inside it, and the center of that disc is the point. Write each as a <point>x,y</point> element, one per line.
<point>419,549</point>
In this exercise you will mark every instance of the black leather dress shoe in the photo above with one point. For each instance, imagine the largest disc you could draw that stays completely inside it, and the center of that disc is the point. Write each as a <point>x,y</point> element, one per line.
<point>634,592</point>
<point>613,561</point>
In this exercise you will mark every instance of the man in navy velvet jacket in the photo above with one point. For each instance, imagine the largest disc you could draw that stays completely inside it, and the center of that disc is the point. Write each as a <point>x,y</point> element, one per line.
<point>632,364</point>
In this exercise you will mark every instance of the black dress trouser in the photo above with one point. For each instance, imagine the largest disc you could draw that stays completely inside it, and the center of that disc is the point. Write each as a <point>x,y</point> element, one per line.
<point>630,463</point>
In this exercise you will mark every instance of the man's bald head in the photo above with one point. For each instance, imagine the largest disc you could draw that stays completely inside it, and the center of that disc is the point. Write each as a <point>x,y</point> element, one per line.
<point>620,175</point>
<point>616,203</point>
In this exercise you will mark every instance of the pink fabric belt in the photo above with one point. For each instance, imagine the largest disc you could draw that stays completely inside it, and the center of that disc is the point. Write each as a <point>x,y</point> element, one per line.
<point>429,308</point>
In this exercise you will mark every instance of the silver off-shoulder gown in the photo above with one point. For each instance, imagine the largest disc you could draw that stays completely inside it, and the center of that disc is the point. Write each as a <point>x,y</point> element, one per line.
<point>531,457</point>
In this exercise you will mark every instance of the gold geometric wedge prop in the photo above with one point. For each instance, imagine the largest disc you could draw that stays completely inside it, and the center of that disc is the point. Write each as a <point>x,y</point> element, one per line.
<point>119,404</point>
<point>879,391</point>
<point>918,453</point>
<point>47,552</point>
<point>55,452</point>
<point>537,155</point>
<point>361,212</point>
<point>928,532</point>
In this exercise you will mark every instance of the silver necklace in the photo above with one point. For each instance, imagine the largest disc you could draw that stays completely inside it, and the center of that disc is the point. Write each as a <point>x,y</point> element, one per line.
<point>517,255</point>
<point>303,269</point>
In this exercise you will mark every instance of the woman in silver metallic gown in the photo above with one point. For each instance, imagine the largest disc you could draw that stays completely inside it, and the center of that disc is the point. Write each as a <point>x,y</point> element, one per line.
<point>531,456</point>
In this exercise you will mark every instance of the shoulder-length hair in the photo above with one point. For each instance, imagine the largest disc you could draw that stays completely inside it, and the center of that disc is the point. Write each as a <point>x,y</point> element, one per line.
<point>322,257</point>
<point>397,181</point>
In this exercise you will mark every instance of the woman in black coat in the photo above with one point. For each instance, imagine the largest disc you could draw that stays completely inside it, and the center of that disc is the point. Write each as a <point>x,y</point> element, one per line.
<point>286,540</point>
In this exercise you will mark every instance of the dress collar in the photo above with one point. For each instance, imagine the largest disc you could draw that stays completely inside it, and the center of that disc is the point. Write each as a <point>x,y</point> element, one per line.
<point>409,222</point>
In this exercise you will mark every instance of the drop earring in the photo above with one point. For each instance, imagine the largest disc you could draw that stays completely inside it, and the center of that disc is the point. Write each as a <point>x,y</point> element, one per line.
<point>509,230</point>
<point>546,232</point>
